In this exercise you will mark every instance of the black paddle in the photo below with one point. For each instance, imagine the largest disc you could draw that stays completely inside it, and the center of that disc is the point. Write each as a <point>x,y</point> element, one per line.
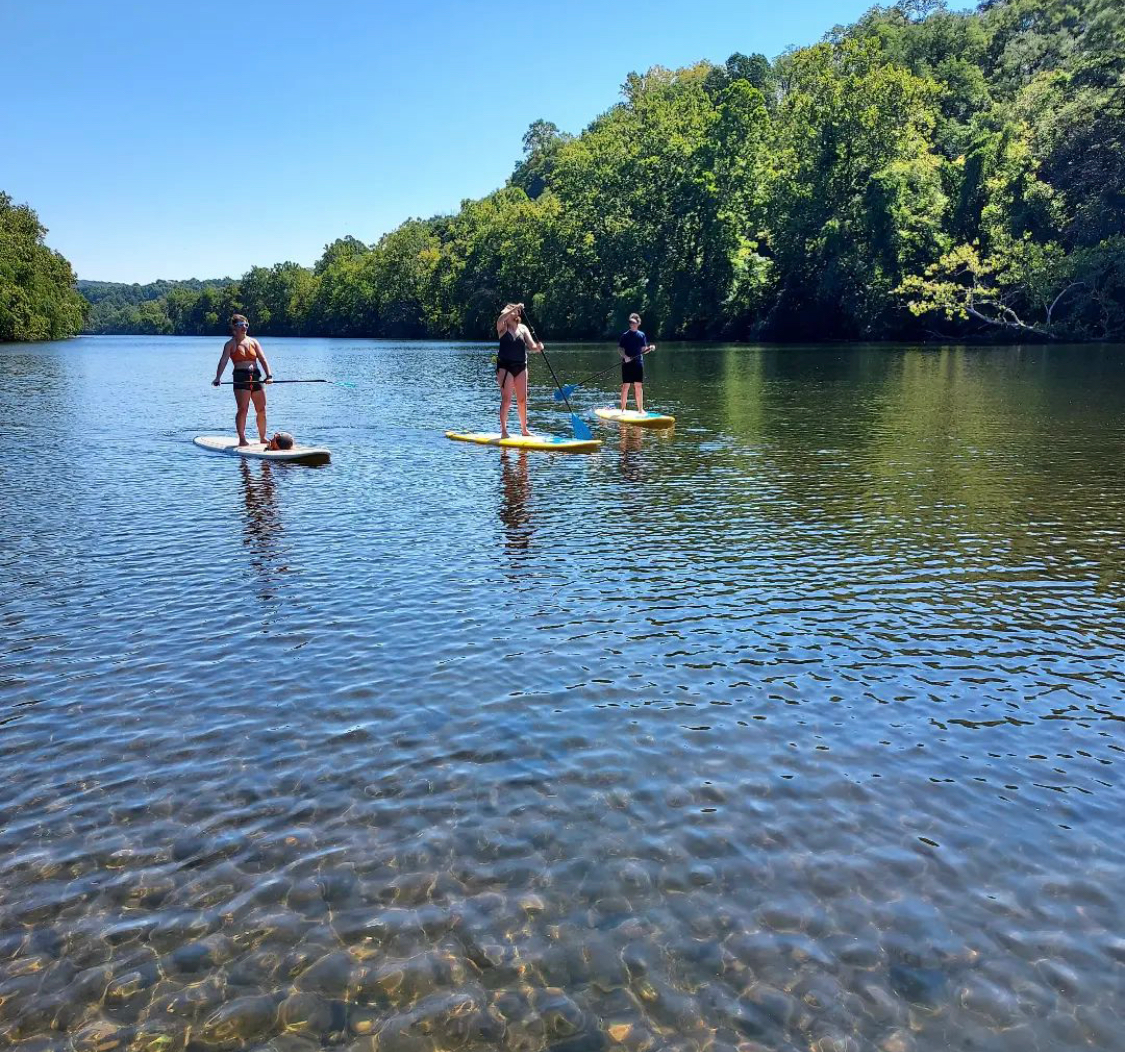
<point>338,383</point>
<point>581,431</point>
<point>565,392</point>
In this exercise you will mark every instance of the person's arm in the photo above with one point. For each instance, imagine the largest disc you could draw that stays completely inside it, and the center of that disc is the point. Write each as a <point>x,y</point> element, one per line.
<point>621,348</point>
<point>262,355</point>
<point>222,364</point>
<point>502,321</point>
<point>529,340</point>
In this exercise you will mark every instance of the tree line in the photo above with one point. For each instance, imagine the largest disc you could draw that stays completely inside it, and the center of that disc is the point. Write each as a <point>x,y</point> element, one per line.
<point>921,173</point>
<point>38,300</point>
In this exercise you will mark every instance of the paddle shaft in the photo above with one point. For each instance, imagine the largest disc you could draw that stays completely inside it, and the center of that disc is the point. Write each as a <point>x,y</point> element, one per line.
<point>558,386</point>
<point>581,431</point>
<point>571,387</point>
<point>227,383</point>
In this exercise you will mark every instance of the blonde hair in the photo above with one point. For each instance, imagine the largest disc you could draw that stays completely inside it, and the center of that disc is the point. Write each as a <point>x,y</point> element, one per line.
<point>234,318</point>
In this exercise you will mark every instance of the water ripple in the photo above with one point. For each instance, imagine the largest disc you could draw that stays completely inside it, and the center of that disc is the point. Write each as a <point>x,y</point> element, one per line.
<point>797,727</point>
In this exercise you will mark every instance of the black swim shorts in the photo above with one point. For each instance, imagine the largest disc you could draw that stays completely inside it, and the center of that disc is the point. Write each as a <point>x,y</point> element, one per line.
<point>247,380</point>
<point>632,372</point>
<point>513,369</point>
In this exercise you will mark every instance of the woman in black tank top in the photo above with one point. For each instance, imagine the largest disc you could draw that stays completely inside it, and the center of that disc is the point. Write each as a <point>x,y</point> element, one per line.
<point>511,364</point>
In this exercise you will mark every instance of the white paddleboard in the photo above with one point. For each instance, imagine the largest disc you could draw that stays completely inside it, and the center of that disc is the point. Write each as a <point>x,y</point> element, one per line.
<point>258,451</point>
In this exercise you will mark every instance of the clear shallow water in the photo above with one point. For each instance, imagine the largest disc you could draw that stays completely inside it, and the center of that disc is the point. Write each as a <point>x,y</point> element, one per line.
<point>797,728</point>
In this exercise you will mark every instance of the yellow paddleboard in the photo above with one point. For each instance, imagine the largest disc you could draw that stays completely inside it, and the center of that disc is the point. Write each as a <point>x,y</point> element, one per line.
<point>631,416</point>
<point>548,442</point>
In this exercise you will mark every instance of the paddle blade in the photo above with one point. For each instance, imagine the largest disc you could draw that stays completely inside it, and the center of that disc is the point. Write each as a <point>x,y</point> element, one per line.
<point>581,431</point>
<point>563,393</point>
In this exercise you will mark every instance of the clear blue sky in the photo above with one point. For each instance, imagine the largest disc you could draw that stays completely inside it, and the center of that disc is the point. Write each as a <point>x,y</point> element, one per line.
<point>196,138</point>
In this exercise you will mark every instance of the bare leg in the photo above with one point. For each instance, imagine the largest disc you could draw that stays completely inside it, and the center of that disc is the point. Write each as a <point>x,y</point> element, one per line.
<point>503,379</point>
<point>260,414</point>
<point>624,396</point>
<point>639,396</point>
<point>521,401</point>
<point>242,403</point>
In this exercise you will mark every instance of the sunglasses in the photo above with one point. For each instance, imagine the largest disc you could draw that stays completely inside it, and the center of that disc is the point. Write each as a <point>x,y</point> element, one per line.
<point>242,325</point>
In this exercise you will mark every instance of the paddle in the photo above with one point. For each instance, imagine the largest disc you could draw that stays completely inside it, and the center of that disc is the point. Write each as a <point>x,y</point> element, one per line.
<point>565,392</point>
<point>581,431</point>
<point>337,383</point>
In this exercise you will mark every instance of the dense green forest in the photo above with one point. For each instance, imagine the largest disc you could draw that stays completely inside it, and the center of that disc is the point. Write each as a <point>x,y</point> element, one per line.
<point>38,300</point>
<point>115,306</point>
<point>920,173</point>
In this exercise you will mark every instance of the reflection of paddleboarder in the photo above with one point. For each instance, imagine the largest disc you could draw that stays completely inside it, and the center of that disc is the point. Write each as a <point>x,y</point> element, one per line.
<point>631,444</point>
<point>244,353</point>
<point>513,503</point>
<point>511,364</point>
<point>263,534</point>
<point>633,346</point>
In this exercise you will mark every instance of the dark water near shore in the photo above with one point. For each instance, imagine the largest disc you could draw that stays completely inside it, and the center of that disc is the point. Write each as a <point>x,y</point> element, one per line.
<point>799,727</point>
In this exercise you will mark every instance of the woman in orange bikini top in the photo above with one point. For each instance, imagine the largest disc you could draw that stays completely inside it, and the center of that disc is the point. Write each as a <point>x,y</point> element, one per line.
<point>245,353</point>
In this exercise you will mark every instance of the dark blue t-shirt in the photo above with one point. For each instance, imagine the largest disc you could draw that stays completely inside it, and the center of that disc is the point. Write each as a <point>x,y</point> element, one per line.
<point>632,343</point>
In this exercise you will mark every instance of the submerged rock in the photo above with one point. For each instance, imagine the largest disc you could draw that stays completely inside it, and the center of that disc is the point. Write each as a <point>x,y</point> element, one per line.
<point>149,1037</point>
<point>102,1036</point>
<point>560,1015</point>
<point>243,1019</point>
<point>331,975</point>
<point>306,1013</point>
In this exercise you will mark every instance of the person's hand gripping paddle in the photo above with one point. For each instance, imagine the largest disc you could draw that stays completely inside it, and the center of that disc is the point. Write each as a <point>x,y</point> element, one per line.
<point>581,431</point>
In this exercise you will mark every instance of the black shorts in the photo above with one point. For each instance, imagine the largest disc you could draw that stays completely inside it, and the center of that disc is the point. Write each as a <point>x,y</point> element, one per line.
<point>247,380</point>
<point>513,369</point>
<point>632,372</point>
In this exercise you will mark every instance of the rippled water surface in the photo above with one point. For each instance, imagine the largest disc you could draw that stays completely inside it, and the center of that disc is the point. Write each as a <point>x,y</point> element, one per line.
<point>798,727</point>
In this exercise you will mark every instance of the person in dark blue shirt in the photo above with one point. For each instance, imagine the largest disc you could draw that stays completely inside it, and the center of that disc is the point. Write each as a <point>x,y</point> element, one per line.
<point>633,345</point>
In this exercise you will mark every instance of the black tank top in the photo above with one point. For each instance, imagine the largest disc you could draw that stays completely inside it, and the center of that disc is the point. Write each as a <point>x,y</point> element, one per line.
<point>512,349</point>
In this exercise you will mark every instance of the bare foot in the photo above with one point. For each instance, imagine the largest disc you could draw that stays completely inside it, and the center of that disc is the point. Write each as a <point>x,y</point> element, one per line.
<point>524,431</point>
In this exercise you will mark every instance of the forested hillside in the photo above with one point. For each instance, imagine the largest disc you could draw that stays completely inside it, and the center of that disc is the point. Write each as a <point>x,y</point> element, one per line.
<point>38,300</point>
<point>920,173</point>
<point>144,309</point>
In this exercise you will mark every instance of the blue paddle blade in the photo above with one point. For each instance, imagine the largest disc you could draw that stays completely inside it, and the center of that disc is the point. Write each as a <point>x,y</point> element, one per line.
<point>563,393</point>
<point>581,431</point>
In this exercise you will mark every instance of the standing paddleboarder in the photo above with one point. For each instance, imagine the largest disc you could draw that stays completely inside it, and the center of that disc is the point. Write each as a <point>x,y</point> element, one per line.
<point>511,364</point>
<point>633,345</point>
<point>244,353</point>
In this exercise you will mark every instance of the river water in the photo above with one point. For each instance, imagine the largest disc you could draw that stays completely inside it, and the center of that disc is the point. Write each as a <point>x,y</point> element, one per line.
<point>797,727</point>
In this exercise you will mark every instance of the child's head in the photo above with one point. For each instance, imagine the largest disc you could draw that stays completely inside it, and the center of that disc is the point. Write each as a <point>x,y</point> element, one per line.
<point>634,320</point>
<point>283,440</point>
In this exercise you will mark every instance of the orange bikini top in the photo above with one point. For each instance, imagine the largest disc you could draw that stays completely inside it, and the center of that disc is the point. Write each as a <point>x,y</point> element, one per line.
<point>243,353</point>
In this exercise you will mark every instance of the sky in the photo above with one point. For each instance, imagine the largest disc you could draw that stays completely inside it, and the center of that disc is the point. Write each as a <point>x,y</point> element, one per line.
<point>176,139</point>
